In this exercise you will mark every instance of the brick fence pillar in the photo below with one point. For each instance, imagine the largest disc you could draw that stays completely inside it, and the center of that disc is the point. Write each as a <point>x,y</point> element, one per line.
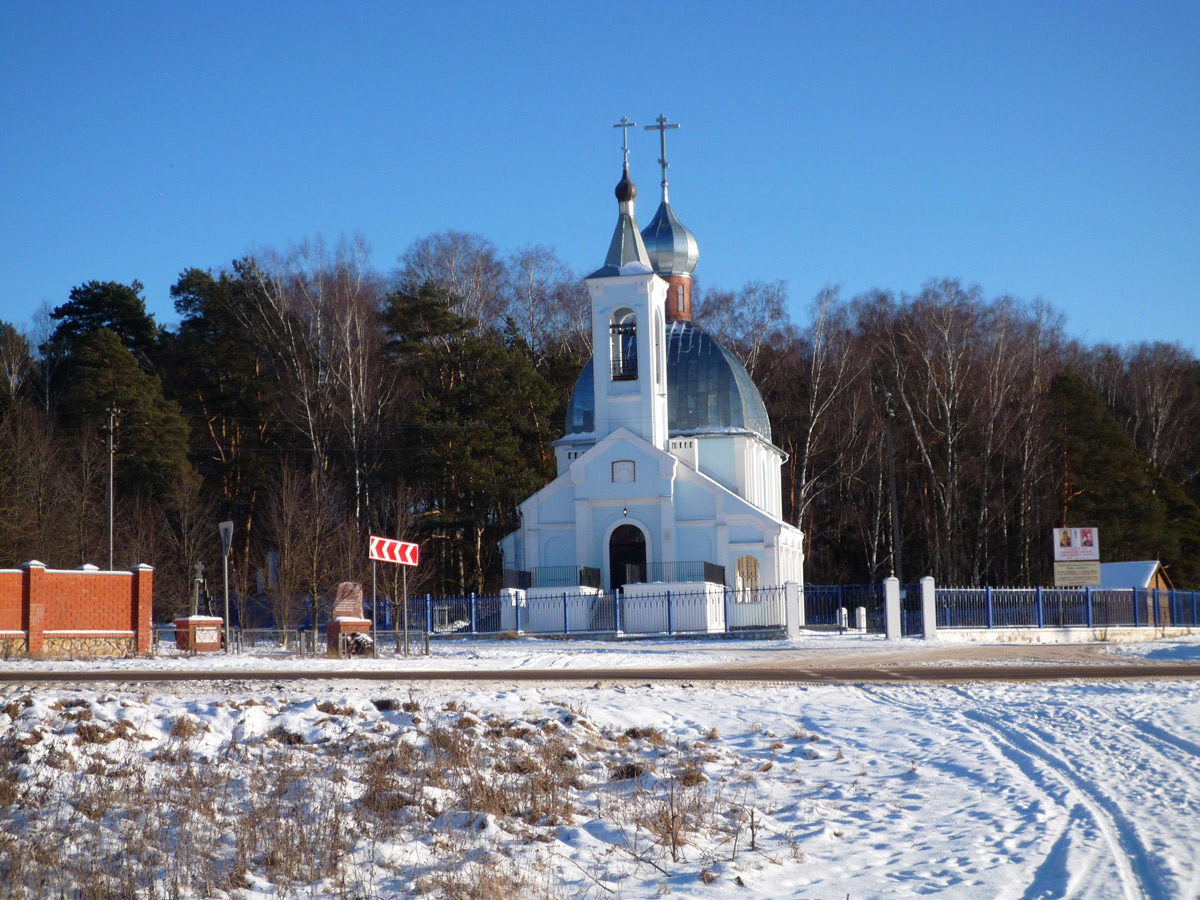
<point>143,605</point>
<point>33,606</point>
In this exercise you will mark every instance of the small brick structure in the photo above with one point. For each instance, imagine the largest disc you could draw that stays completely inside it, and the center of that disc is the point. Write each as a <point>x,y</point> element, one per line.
<point>75,612</point>
<point>198,634</point>
<point>335,628</point>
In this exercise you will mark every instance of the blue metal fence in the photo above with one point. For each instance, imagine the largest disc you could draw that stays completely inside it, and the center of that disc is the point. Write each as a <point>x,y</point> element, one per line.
<point>834,607</point>
<point>912,616</point>
<point>994,607</point>
<point>827,608</point>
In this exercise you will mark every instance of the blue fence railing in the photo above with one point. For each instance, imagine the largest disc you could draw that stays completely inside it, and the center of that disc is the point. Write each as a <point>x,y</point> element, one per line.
<point>995,607</point>
<point>833,609</point>
<point>835,606</point>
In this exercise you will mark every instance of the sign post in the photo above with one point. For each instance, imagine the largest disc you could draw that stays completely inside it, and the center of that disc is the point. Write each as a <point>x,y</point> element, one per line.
<point>1076,557</point>
<point>401,553</point>
<point>226,544</point>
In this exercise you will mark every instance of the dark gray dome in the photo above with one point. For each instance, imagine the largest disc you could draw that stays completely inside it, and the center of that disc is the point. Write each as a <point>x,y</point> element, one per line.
<point>707,389</point>
<point>626,190</point>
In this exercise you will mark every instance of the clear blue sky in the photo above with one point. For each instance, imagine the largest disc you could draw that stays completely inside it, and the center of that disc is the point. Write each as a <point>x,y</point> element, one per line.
<point>1039,149</point>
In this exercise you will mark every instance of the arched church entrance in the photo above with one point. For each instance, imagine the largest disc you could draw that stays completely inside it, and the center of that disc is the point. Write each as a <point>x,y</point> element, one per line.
<point>626,551</point>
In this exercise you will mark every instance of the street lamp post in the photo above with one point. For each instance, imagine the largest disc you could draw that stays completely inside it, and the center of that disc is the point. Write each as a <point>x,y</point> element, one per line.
<point>199,580</point>
<point>226,543</point>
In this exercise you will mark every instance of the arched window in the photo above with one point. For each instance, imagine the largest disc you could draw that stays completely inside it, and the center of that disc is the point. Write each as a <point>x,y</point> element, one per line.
<point>622,339</point>
<point>747,573</point>
<point>658,351</point>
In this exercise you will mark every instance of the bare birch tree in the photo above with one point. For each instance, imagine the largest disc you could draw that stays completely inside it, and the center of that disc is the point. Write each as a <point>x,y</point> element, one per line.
<point>1160,394</point>
<point>462,266</point>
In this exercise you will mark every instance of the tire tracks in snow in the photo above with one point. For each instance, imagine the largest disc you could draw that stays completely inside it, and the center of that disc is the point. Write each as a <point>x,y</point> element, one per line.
<point>1031,754</point>
<point>1127,851</point>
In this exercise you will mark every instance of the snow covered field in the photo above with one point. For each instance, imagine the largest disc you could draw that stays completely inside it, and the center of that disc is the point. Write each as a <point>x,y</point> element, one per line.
<point>1071,789</point>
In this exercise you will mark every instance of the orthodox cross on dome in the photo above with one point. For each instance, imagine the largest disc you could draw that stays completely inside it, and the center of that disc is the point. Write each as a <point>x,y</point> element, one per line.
<point>661,128</point>
<point>625,125</point>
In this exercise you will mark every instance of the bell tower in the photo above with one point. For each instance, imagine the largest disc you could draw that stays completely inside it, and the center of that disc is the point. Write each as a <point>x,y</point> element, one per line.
<point>628,327</point>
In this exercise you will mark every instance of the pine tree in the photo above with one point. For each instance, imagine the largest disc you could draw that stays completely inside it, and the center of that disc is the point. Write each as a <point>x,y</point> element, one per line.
<point>151,435</point>
<point>477,441</point>
<point>1104,480</point>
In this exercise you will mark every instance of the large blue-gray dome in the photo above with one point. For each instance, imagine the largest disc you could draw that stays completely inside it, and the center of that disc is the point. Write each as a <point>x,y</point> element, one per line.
<point>707,389</point>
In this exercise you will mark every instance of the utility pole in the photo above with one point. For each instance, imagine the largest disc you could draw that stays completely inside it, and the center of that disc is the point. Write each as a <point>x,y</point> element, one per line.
<point>112,411</point>
<point>891,450</point>
<point>226,529</point>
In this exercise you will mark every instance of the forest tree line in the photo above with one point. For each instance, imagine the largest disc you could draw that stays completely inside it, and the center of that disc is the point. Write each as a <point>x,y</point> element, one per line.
<point>314,399</point>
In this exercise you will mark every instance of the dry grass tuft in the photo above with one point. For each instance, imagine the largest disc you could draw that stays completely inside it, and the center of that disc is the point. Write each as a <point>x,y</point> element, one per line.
<point>474,882</point>
<point>286,737</point>
<point>691,774</point>
<point>627,771</point>
<point>650,735</point>
<point>185,727</point>
<point>60,705</point>
<point>93,733</point>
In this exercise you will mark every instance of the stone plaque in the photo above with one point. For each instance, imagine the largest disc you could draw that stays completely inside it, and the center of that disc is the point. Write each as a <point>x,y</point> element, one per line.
<point>208,635</point>
<point>349,601</point>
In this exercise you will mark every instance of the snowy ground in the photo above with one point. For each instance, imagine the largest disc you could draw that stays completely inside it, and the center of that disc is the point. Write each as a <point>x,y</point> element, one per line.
<point>1072,789</point>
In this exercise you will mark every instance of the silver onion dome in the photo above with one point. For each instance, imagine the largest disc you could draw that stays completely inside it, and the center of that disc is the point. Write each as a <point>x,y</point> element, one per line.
<point>670,244</point>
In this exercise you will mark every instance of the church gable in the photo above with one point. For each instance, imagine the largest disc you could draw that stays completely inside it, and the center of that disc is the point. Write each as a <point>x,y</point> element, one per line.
<point>623,465</point>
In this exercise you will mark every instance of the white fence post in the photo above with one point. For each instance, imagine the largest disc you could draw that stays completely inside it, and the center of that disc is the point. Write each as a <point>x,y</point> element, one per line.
<point>793,609</point>
<point>511,599</point>
<point>929,608</point>
<point>891,608</point>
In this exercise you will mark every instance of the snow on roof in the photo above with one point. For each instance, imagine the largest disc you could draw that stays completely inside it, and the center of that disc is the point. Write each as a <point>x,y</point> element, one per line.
<point>1127,574</point>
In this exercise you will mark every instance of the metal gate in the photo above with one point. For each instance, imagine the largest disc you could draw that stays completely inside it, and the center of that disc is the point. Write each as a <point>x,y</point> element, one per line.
<point>912,620</point>
<point>835,608</point>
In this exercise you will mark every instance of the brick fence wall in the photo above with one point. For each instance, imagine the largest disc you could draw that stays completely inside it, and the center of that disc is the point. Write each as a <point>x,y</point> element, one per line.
<point>84,612</point>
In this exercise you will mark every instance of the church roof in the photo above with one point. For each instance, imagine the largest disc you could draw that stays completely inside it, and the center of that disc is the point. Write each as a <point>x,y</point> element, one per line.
<point>626,247</point>
<point>708,390</point>
<point>1128,574</point>
<point>672,246</point>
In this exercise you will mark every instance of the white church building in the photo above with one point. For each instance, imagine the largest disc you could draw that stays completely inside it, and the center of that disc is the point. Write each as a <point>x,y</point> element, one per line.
<point>666,473</point>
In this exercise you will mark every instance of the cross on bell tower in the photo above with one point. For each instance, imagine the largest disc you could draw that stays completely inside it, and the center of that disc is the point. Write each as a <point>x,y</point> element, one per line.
<point>625,125</point>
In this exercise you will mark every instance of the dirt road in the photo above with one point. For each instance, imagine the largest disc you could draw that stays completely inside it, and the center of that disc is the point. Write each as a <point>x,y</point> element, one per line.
<point>932,664</point>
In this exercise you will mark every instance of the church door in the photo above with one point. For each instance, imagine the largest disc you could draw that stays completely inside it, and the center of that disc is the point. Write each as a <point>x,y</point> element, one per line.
<point>626,547</point>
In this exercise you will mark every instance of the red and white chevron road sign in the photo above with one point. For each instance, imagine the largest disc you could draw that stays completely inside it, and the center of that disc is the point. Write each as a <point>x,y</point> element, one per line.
<point>388,550</point>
